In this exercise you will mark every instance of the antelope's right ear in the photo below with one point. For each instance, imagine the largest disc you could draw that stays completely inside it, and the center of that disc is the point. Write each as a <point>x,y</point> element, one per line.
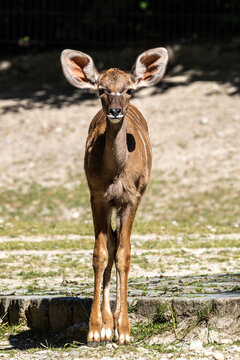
<point>79,69</point>
<point>150,67</point>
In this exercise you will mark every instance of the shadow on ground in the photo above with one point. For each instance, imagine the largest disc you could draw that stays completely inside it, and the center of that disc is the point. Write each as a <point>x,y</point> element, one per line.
<point>35,79</point>
<point>32,339</point>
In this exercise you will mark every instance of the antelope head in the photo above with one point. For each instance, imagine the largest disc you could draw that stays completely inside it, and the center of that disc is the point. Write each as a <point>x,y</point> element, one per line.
<point>115,87</point>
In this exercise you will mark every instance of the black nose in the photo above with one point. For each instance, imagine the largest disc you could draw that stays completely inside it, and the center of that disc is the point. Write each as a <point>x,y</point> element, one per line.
<point>115,111</point>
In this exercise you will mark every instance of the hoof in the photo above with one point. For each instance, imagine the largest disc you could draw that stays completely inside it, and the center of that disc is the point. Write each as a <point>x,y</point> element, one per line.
<point>108,342</point>
<point>93,344</point>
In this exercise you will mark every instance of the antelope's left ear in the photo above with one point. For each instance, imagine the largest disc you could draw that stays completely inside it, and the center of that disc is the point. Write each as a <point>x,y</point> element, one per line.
<point>79,69</point>
<point>150,67</point>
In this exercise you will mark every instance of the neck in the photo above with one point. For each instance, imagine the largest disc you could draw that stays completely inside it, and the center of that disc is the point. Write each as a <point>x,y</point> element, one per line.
<point>115,153</point>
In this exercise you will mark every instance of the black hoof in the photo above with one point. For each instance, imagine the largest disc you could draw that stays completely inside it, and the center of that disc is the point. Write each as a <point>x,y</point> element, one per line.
<point>93,344</point>
<point>108,342</point>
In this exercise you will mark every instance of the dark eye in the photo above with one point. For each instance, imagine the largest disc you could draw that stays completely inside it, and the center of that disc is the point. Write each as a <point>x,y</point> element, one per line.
<point>101,92</point>
<point>129,91</point>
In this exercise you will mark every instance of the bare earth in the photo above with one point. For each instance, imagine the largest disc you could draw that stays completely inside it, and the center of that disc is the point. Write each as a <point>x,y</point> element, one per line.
<point>194,128</point>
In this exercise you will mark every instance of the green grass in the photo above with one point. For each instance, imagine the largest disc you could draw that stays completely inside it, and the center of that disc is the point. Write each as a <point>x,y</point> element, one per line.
<point>142,331</point>
<point>88,244</point>
<point>32,209</point>
<point>6,329</point>
<point>82,244</point>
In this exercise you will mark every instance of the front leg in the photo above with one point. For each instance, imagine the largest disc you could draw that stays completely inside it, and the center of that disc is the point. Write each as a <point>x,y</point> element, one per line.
<point>100,261</point>
<point>107,317</point>
<point>123,262</point>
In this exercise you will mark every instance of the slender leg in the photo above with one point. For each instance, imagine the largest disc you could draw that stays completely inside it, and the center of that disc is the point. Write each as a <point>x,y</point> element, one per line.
<point>117,310</point>
<point>100,261</point>
<point>123,262</point>
<point>107,317</point>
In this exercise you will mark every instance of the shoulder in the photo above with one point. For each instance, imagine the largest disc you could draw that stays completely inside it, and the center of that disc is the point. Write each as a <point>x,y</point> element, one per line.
<point>136,118</point>
<point>97,128</point>
<point>97,122</point>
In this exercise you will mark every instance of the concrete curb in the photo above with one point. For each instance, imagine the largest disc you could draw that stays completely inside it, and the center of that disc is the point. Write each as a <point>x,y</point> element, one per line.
<point>54,313</point>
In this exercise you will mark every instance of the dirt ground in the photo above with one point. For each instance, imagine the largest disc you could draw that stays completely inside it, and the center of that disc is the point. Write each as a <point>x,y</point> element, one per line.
<point>193,118</point>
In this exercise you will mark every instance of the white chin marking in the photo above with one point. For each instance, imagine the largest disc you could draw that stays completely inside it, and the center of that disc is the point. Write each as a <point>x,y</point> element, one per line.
<point>116,333</point>
<point>127,338</point>
<point>108,333</point>
<point>103,333</point>
<point>115,120</point>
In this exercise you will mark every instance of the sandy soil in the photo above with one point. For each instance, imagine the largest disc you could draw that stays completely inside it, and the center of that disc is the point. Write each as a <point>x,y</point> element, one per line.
<point>194,128</point>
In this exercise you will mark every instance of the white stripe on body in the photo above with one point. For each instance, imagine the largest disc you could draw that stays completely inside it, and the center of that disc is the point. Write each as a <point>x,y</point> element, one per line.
<point>143,132</point>
<point>144,145</point>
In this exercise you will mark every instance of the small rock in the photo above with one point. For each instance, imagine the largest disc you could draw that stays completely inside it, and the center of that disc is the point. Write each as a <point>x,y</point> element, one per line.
<point>235,224</point>
<point>226,341</point>
<point>109,346</point>
<point>142,350</point>
<point>209,227</point>
<point>196,345</point>
<point>236,348</point>
<point>73,353</point>
<point>204,121</point>
<point>75,215</point>
<point>175,223</point>
<point>207,352</point>
<point>214,337</point>
<point>31,164</point>
<point>114,345</point>
<point>218,356</point>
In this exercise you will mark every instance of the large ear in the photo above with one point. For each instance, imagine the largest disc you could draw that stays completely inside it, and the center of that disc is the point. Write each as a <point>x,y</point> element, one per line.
<point>150,67</point>
<point>79,69</point>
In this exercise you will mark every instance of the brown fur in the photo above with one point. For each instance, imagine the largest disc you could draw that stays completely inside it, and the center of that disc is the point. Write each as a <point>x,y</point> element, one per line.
<point>118,181</point>
<point>117,163</point>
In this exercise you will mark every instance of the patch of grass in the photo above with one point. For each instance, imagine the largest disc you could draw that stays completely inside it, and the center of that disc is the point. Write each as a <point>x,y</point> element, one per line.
<point>40,227</point>
<point>203,315</point>
<point>160,317</point>
<point>65,265</point>
<point>86,244</point>
<point>34,287</point>
<point>160,348</point>
<point>36,274</point>
<point>6,329</point>
<point>196,244</point>
<point>131,308</point>
<point>145,330</point>
<point>33,209</point>
<point>141,286</point>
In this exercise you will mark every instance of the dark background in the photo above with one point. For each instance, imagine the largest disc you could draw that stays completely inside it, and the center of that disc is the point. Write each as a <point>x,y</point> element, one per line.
<point>201,35</point>
<point>116,24</point>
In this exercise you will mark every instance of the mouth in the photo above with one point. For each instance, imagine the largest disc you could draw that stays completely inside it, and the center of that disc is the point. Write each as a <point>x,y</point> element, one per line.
<point>115,119</point>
